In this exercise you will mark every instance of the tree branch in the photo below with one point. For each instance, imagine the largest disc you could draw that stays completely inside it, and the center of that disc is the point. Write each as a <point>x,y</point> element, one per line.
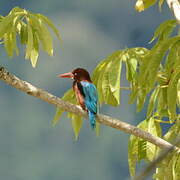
<point>28,88</point>
<point>174,6</point>
<point>152,165</point>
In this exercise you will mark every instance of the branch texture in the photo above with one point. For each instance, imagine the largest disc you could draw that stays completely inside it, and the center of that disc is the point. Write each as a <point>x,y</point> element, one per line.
<point>174,6</point>
<point>28,88</point>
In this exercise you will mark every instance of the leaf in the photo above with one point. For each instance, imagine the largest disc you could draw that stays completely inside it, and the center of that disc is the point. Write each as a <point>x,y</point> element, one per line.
<point>172,57</point>
<point>29,46</point>
<point>97,79</point>
<point>152,101</point>
<point>115,78</point>
<point>76,124</point>
<point>151,63</point>
<point>106,84</point>
<point>23,33</point>
<point>154,128</point>
<point>140,149</point>
<point>10,42</point>
<point>141,5</point>
<point>99,83</point>
<point>131,66</point>
<point>162,109</point>
<point>164,30</point>
<point>141,97</point>
<point>5,24</point>
<point>35,51</point>
<point>169,168</point>
<point>172,93</point>
<point>172,133</point>
<point>178,93</point>
<point>68,96</point>
<point>50,24</point>
<point>43,34</point>
<point>57,116</point>
<point>132,154</point>
<point>97,129</point>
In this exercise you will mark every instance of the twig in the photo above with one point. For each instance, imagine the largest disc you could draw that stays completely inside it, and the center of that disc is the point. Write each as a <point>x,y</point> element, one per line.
<point>28,88</point>
<point>146,171</point>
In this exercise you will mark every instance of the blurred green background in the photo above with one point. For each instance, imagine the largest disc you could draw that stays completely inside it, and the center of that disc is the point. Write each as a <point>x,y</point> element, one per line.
<point>30,148</point>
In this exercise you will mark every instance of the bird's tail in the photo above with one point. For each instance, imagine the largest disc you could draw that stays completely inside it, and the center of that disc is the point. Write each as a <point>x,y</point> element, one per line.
<point>92,119</point>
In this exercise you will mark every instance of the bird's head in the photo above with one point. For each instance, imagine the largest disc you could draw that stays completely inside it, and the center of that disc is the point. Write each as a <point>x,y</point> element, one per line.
<point>78,74</point>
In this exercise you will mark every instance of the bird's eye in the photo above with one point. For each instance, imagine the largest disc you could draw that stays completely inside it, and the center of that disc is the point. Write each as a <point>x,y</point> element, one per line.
<point>75,74</point>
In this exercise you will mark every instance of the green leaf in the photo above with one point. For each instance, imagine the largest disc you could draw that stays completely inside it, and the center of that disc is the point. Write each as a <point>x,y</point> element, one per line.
<point>5,24</point>
<point>169,168</point>
<point>97,79</point>
<point>68,96</point>
<point>57,116</point>
<point>172,93</point>
<point>29,46</point>
<point>172,57</point>
<point>172,133</point>
<point>107,92</point>
<point>97,129</point>
<point>151,63</point>
<point>140,149</point>
<point>154,128</point>
<point>141,5</point>
<point>141,97</point>
<point>50,24</point>
<point>10,42</point>
<point>152,101</point>
<point>43,34</point>
<point>132,154</point>
<point>23,33</point>
<point>105,84</point>
<point>76,124</point>
<point>102,82</point>
<point>178,93</point>
<point>131,66</point>
<point>162,109</point>
<point>35,51</point>
<point>115,78</point>
<point>164,30</point>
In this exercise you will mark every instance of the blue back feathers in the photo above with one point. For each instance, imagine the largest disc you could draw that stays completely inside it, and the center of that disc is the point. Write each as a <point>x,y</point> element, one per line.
<point>91,101</point>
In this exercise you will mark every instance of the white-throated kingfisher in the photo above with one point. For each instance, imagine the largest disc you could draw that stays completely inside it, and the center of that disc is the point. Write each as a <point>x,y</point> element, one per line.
<point>85,91</point>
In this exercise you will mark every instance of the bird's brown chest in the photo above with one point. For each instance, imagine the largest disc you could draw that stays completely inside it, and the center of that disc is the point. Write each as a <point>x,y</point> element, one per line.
<point>79,94</point>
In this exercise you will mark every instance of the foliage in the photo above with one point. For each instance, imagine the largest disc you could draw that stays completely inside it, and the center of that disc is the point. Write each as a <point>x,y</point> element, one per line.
<point>140,149</point>
<point>169,168</point>
<point>141,5</point>
<point>32,30</point>
<point>153,75</point>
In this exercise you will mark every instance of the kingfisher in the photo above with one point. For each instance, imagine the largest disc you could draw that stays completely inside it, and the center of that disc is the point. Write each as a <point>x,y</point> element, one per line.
<point>85,91</point>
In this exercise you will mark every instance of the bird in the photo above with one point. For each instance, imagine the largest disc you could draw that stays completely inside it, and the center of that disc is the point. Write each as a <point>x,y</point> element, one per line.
<point>85,92</point>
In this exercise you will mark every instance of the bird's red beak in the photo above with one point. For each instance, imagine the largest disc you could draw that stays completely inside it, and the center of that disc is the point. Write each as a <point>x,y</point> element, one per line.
<point>66,75</point>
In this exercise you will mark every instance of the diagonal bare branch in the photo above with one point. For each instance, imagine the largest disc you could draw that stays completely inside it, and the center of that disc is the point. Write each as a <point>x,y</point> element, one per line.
<point>151,166</point>
<point>28,88</point>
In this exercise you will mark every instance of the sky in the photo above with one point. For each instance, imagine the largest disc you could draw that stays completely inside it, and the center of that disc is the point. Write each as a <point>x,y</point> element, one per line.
<point>91,30</point>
